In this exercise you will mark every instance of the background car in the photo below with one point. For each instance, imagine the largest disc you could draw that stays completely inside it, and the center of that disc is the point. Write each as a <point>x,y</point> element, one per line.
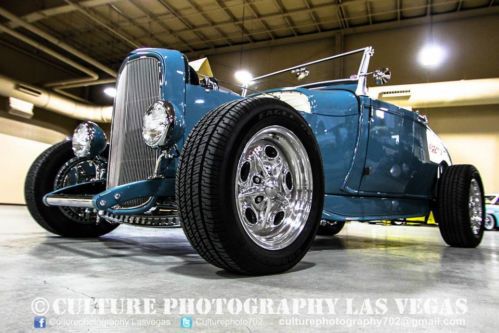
<point>492,209</point>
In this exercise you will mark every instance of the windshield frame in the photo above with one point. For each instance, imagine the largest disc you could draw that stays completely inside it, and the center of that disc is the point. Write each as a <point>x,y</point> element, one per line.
<point>361,77</point>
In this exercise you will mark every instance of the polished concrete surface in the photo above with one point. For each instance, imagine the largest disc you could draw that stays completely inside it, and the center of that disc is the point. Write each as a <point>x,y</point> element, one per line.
<point>364,267</point>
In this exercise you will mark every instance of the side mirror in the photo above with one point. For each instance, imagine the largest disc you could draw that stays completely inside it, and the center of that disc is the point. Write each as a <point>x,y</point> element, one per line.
<point>382,76</point>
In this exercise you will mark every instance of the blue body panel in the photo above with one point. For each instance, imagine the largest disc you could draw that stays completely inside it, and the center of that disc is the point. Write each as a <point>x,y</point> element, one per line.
<point>199,101</point>
<point>375,155</point>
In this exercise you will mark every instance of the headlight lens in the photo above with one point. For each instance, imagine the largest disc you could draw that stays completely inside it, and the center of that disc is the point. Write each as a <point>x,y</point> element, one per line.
<point>88,140</point>
<point>157,124</point>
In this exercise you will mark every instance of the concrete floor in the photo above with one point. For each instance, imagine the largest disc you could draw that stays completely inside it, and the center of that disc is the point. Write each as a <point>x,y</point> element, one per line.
<point>364,267</point>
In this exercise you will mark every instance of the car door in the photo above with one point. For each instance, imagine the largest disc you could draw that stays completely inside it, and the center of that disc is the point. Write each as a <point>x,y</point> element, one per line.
<point>397,160</point>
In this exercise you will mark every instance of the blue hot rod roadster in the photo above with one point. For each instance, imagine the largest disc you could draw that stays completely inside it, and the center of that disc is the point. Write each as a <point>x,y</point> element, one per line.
<point>251,179</point>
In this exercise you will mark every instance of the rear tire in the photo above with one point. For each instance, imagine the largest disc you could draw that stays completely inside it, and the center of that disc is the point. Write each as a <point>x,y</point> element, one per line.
<point>490,222</point>
<point>210,175</point>
<point>330,228</point>
<point>40,181</point>
<point>460,209</point>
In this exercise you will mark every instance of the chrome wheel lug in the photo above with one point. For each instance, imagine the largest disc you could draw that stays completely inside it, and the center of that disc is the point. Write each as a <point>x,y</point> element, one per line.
<point>258,199</point>
<point>257,180</point>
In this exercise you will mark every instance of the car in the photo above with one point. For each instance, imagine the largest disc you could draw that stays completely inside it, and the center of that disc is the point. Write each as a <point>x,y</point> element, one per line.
<point>492,211</point>
<point>251,178</point>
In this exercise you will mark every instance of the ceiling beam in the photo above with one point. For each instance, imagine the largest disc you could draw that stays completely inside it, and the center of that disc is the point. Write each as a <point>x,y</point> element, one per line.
<point>184,21</point>
<point>96,19</point>
<point>257,14</point>
<point>210,21</point>
<point>407,22</point>
<point>313,16</point>
<point>141,28</point>
<point>342,15</point>
<point>369,13</point>
<point>59,10</point>
<point>238,22</point>
<point>235,21</point>
<point>285,16</point>
<point>162,25</point>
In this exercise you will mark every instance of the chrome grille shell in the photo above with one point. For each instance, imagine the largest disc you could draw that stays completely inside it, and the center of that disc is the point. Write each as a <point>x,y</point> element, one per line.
<point>139,86</point>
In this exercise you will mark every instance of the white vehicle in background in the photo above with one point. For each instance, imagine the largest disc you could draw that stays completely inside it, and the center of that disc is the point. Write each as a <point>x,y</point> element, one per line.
<point>492,209</point>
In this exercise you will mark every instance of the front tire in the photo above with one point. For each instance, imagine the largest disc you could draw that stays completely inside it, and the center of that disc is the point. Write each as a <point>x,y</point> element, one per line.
<point>460,206</point>
<point>40,180</point>
<point>250,187</point>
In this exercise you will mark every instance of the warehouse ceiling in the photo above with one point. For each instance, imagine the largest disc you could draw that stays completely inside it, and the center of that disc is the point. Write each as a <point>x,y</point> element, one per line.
<point>50,42</point>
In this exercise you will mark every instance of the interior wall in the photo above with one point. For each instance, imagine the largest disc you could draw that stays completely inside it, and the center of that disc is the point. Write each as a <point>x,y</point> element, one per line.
<point>18,155</point>
<point>471,135</point>
<point>20,145</point>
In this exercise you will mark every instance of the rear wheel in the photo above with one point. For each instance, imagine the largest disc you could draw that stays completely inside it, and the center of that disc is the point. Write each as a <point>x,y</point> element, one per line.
<point>57,167</point>
<point>250,187</point>
<point>490,222</point>
<point>460,209</point>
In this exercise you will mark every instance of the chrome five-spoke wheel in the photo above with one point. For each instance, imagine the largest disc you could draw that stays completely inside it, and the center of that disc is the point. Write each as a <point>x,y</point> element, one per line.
<point>274,187</point>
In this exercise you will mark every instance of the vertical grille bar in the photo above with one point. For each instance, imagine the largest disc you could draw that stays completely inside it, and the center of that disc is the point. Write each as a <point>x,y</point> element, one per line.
<point>138,87</point>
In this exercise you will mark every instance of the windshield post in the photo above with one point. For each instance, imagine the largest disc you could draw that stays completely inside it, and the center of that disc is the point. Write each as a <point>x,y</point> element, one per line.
<point>363,71</point>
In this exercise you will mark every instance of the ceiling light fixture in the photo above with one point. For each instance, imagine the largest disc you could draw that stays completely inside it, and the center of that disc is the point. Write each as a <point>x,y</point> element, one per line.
<point>110,91</point>
<point>431,55</point>
<point>244,77</point>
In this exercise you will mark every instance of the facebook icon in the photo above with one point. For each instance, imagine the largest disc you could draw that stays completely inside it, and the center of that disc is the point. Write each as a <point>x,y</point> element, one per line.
<point>40,322</point>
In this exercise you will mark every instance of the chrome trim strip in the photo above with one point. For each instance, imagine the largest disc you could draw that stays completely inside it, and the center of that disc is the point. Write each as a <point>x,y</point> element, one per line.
<point>368,52</point>
<point>83,202</point>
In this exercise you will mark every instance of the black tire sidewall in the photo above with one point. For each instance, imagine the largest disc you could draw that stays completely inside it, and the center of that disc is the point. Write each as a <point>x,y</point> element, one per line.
<point>40,181</point>
<point>453,206</point>
<point>330,230</point>
<point>249,124</point>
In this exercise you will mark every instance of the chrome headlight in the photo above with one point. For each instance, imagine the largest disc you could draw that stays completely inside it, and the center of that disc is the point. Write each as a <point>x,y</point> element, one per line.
<point>88,140</point>
<point>157,125</point>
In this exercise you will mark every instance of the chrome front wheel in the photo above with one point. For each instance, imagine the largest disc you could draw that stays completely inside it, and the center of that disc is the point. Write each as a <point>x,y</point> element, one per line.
<point>250,186</point>
<point>273,188</point>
